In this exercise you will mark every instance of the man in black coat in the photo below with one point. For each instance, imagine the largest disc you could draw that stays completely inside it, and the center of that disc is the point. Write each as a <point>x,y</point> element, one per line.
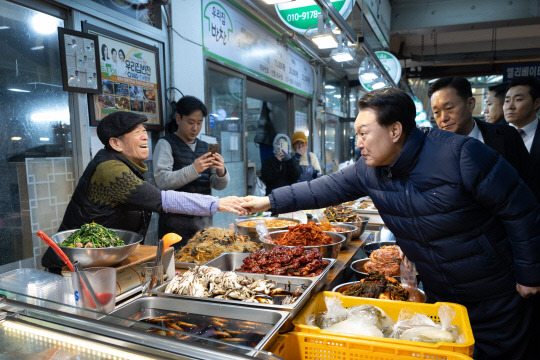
<point>521,106</point>
<point>452,103</point>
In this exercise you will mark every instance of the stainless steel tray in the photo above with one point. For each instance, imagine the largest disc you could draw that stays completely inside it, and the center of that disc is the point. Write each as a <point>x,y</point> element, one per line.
<point>185,265</point>
<point>282,281</point>
<point>147,306</point>
<point>230,261</point>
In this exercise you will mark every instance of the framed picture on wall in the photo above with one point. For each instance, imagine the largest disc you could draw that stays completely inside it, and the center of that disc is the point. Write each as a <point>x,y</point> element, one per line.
<point>130,78</point>
<point>80,61</point>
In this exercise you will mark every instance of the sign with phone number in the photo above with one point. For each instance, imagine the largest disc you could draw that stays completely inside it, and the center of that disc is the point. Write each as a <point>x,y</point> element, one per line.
<point>301,15</point>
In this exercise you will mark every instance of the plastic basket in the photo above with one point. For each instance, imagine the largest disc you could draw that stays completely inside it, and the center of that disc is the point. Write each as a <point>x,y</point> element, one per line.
<point>302,346</point>
<point>392,308</point>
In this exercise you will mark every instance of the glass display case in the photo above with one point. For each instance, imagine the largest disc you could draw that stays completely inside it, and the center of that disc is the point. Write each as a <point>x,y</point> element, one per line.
<point>52,330</point>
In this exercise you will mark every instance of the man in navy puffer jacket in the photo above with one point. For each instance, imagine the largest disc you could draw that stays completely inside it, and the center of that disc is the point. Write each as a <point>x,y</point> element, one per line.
<point>459,211</point>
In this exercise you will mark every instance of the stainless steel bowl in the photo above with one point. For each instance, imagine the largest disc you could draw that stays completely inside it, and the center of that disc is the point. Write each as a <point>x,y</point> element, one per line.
<point>360,225</point>
<point>95,257</point>
<point>345,229</point>
<point>370,247</point>
<point>416,294</point>
<point>252,232</point>
<point>327,251</point>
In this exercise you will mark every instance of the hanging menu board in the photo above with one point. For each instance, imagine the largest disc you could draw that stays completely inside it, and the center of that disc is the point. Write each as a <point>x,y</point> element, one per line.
<point>231,36</point>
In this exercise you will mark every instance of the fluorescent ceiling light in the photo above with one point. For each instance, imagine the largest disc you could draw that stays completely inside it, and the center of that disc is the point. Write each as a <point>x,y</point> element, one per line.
<point>329,87</point>
<point>272,2</point>
<point>38,47</point>
<point>342,55</point>
<point>44,139</point>
<point>378,85</point>
<point>18,90</point>
<point>369,76</point>
<point>325,41</point>
<point>4,27</point>
<point>16,138</point>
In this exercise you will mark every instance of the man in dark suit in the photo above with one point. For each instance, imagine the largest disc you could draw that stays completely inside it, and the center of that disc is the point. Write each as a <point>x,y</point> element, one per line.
<point>521,105</point>
<point>493,111</point>
<point>452,103</point>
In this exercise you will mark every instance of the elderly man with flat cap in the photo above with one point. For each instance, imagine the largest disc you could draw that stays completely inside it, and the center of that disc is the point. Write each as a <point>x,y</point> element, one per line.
<point>112,190</point>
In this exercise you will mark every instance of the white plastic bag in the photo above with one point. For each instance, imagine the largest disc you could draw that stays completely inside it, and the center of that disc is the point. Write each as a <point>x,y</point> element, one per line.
<point>259,189</point>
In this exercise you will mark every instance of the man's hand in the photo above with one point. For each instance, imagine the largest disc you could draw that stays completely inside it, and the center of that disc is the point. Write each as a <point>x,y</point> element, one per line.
<point>527,291</point>
<point>256,203</point>
<point>232,204</point>
<point>219,164</point>
<point>280,155</point>
<point>204,162</point>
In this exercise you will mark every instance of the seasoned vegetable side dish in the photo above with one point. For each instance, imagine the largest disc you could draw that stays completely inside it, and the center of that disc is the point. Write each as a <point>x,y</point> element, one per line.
<point>93,236</point>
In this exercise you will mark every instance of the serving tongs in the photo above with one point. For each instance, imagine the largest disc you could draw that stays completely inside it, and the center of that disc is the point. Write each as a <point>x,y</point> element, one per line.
<point>75,267</point>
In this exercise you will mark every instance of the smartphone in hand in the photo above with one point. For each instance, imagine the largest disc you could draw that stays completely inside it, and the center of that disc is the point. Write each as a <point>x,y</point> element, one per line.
<point>213,148</point>
<point>284,146</point>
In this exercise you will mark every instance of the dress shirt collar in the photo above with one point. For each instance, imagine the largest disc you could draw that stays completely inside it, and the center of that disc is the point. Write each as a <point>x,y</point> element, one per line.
<point>475,133</point>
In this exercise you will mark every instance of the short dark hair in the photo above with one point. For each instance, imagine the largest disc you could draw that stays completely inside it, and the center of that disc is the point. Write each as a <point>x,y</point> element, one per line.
<point>462,86</point>
<point>499,90</point>
<point>532,83</point>
<point>188,104</point>
<point>391,105</point>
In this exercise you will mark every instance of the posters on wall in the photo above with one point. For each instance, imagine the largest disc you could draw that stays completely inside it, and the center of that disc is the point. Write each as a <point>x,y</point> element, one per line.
<point>231,36</point>
<point>130,78</point>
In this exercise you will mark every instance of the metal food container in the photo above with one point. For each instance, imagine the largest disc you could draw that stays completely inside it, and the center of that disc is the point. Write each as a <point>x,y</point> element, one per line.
<point>97,257</point>
<point>358,268</point>
<point>327,251</point>
<point>286,282</point>
<point>420,295</point>
<point>252,232</point>
<point>345,229</point>
<point>231,261</point>
<point>361,226</point>
<point>148,306</point>
<point>372,246</point>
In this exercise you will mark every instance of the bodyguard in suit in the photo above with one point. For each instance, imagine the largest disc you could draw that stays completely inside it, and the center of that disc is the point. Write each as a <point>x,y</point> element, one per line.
<point>452,103</point>
<point>493,110</point>
<point>521,105</point>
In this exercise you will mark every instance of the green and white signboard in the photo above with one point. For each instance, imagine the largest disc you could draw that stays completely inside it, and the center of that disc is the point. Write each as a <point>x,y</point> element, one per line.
<point>236,39</point>
<point>301,15</point>
<point>370,78</point>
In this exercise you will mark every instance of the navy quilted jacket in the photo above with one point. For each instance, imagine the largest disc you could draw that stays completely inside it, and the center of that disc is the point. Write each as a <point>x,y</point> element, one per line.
<point>459,211</point>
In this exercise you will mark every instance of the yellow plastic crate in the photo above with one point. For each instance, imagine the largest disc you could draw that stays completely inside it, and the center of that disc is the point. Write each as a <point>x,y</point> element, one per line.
<point>302,346</point>
<point>392,308</point>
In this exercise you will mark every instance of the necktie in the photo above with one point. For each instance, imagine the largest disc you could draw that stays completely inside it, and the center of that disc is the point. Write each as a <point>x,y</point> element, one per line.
<point>521,132</point>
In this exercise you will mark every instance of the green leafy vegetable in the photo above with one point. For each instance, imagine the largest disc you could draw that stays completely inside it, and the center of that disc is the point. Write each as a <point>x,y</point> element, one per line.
<point>93,236</point>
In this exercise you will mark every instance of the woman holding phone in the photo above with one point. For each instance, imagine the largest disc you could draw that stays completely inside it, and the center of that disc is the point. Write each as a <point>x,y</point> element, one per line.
<point>282,169</point>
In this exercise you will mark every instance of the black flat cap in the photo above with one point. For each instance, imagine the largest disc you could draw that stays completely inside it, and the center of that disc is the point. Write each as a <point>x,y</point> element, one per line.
<point>118,124</point>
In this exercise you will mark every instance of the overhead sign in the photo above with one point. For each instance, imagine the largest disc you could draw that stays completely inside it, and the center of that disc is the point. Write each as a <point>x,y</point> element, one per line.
<point>391,64</point>
<point>512,71</point>
<point>232,37</point>
<point>370,77</point>
<point>301,15</point>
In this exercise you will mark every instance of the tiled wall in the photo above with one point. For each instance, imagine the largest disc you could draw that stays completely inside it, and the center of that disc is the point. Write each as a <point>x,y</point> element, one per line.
<point>50,186</point>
